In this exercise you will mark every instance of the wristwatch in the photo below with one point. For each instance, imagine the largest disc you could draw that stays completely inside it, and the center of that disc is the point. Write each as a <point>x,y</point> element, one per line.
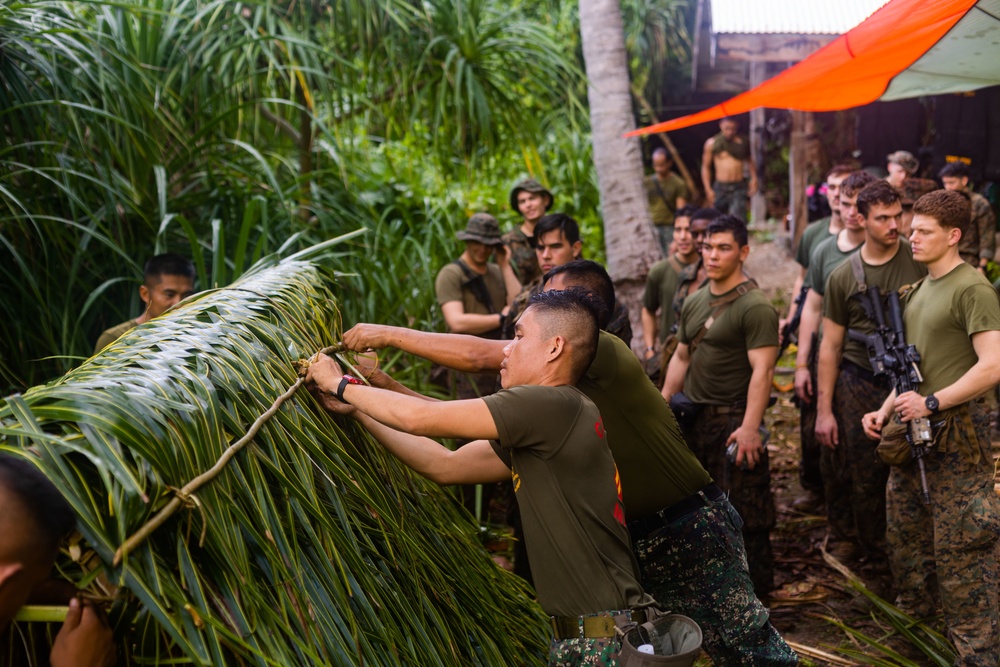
<point>344,381</point>
<point>932,403</point>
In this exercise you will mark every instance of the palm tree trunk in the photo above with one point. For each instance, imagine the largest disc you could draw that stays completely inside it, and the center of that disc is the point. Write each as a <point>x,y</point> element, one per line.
<point>629,238</point>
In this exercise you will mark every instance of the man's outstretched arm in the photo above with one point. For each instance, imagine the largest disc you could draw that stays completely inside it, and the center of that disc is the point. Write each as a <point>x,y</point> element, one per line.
<point>469,354</point>
<point>469,420</point>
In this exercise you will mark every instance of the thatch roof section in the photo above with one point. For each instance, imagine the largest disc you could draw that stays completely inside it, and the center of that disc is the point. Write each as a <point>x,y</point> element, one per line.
<point>313,546</point>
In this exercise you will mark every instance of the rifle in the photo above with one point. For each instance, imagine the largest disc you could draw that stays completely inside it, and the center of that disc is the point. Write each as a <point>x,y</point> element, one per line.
<point>792,325</point>
<point>891,356</point>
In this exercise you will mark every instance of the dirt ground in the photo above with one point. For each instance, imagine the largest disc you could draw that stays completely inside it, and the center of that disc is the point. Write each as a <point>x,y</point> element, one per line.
<point>810,591</point>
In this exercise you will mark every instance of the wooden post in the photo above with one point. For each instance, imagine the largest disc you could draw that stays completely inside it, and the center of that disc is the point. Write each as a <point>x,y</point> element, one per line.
<point>797,168</point>
<point>758,203</point>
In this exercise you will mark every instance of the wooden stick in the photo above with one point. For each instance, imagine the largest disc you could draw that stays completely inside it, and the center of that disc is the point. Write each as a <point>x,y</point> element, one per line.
<point>184,493</point>
<point>802,649</point>
<point>41,614</point>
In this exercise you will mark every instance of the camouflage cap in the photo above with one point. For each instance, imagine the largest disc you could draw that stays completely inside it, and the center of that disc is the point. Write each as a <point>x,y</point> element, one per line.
<point>482,227</point>
<point>529,185</point>
<point>905,160</point>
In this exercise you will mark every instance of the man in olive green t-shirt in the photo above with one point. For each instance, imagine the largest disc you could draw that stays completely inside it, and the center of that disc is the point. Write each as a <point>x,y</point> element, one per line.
<point>166,280</point>
<point>948,550</point>
<point>810,476</point>
<point>978,244</point>
<point>724,363</point>
<point>684,530</point>
<point>846,386</point>
<point>825,258</point>
<point>663,281</point>
<point>667,193</point>
<point>548,436</point>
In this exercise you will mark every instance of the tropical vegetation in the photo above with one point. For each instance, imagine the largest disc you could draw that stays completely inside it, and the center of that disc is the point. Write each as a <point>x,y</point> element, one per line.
<point>311,545</point>
<point>228,131</point>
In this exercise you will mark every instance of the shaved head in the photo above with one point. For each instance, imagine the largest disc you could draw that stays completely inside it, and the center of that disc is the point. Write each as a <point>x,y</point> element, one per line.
<point>573,314</point>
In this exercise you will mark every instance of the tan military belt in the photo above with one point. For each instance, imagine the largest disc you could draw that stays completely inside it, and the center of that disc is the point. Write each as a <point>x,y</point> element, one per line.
<point>590,627</point>
<point>713,410</point>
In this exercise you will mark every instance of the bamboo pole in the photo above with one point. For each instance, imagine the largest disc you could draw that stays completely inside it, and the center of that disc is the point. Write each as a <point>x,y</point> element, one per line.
<point>182,496</point>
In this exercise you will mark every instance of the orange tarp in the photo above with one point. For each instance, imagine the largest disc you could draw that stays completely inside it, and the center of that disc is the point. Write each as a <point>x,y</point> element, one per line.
<point>853,70</point>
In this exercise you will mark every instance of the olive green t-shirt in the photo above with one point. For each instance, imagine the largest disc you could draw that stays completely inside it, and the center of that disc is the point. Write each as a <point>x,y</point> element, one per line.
<point>661,286</point>
<point>109,336</point>
<point>663,199</point>
<point>720,370</point>
<point>824,259</point>
<point>450,286</point>
<point>656,466</point>
<point>841,306</point>
<point>814,234</point>
<point>940,317</point>
<point>568,491</point>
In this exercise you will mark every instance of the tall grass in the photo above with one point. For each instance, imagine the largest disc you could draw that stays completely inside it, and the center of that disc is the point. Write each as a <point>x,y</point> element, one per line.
<point>227,131</point>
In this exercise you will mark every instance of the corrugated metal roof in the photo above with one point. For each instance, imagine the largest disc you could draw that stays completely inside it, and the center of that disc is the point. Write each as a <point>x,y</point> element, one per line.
<point>810,17</point>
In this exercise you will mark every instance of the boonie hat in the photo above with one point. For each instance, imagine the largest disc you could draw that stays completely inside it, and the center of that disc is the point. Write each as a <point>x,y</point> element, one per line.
<point>529,185</point>
<point>905,160</point>
<point>482,227</point>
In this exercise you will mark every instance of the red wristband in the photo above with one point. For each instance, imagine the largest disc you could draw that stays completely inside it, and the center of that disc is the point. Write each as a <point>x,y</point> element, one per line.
<point>344,381</point>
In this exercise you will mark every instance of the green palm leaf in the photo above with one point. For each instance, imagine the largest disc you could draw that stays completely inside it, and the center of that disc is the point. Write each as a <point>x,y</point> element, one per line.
<point>313,546</point>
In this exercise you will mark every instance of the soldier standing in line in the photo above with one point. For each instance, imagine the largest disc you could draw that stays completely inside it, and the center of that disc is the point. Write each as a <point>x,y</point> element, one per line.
<point>978,246</point>
<point>810,476</point>
<point>724,364</point>
<point>662,283</point>
<point>846,384</point>
<point>953,319</point>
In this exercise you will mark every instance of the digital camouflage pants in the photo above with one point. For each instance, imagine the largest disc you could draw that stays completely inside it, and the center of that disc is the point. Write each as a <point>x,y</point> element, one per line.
<point>696,565</point>
<point>810,476</point>
<point>666,235</point>
<point>584,653</point>
<point>948,549</point>
<point>580,652</point>
<point>749,490</point>
<point>853,477</point>
<point>731,198</point>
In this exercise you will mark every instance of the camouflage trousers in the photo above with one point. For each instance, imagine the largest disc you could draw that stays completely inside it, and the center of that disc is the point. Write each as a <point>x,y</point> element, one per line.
<point>749,490</point>
<point>666,235</point>
<point>731,198</point>
<point>810,476</point>
<point>949,549</point>
<point>853,477</point>
<point>581,652</point>
<point>696,565</point>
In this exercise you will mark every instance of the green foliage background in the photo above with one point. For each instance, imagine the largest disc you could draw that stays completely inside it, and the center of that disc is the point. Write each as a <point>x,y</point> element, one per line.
<point>231,130</point>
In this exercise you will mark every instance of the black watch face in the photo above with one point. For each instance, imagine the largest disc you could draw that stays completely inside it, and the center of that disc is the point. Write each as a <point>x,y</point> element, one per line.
<point>931,403</point>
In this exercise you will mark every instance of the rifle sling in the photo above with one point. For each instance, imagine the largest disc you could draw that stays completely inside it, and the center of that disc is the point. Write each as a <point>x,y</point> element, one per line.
<point>477,285</point>
<point>859,271</point>
<point>720,305</point>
